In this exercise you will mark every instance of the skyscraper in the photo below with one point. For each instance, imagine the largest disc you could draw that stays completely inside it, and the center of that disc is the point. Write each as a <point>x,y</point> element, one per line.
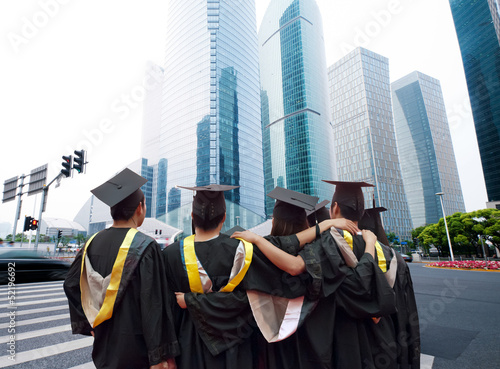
<point>211,130</point>
<point>477,26</point>
<point>425,148</point>
<point>365,142</point>
<point>297,136</point>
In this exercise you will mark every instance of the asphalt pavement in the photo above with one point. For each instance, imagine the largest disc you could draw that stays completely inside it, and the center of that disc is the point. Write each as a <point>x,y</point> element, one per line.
<point>459,316</point>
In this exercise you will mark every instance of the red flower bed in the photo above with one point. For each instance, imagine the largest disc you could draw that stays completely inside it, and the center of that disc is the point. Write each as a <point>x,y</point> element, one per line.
<point>467,264</point>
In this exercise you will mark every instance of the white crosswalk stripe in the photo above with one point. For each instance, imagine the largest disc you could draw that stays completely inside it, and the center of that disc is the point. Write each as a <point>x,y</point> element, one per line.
<point>37,320</point>
<point>24,297</point>
<point>58,288</point>
<point>37,311</point>
<point>46,351</point>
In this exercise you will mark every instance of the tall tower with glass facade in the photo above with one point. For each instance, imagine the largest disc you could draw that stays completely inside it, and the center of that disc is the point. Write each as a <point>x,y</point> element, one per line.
<point>297,136</point>
<point>211,122</point>
<point>365,141</point>
<point>425,149</point>
<point>478,28</point>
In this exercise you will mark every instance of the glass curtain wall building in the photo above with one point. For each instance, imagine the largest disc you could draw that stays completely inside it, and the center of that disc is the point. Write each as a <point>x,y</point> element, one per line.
<point>297,136</point>
<point>425,149</point>
<point>477,26</point>
<point>365,141</point>
<point>211,129</point>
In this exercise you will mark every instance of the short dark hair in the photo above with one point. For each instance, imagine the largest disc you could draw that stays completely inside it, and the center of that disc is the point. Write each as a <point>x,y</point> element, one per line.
<point>207,224</point>
<point>349,213</point>
<point>126,208</point>
<point>286,228</point>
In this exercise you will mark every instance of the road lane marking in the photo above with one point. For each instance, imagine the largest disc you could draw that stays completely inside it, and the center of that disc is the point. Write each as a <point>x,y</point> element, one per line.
<point>37,320</point>
<point>38,333</point>
<point>46,351</point>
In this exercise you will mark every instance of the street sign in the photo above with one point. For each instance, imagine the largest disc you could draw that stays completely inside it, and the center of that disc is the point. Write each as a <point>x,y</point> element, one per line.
<point>38,177</point>
<point>9,189</point>
<point>403,243</point>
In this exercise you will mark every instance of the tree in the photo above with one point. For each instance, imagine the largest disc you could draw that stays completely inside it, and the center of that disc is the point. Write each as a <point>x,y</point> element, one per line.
<point>392,238</point>
<point>464,229</point>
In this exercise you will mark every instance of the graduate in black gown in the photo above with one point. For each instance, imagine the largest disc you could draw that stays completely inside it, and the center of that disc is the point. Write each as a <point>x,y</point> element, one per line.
<point>117,289</point>
<point>203,263</point>
<point>362,288</point>
<point>405,320</point>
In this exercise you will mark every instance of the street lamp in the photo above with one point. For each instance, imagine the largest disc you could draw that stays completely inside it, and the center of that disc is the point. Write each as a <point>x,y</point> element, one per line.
<point>480,220</point>
<point>440,194</point>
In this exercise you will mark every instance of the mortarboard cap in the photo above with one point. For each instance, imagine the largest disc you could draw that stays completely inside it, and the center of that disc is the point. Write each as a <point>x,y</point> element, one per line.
<point>291,205</point>
<point>372,221</point>
<point>350,195</point>
<point>318,214</point>
<point>209,202</point>
<point>119,188</point>
<point>236,228</point>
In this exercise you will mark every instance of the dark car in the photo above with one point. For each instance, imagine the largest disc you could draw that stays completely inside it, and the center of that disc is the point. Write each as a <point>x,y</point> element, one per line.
<point>19,265</point>
<point>407,258</point>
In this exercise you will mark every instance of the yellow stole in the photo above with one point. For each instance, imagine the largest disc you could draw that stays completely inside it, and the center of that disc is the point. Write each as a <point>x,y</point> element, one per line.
<point>382,262</point>
<point>193,272</point>
<point>106,310</point>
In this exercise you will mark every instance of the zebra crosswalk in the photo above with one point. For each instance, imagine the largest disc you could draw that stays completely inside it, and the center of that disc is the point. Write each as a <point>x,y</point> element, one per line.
<point>42,336</point>
<point>35,330</point>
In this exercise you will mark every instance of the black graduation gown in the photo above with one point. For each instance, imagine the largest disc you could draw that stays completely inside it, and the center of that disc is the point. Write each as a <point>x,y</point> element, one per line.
<point>364,289</point>
<point>212,332</point>
<point>394,342</point>
<point>140,332</point>
<point>406,322</point>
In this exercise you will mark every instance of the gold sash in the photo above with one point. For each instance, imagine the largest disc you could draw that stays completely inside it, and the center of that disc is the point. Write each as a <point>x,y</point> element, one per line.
<point>193,266</point>
<point>382,262</point>
<point>106,310</point>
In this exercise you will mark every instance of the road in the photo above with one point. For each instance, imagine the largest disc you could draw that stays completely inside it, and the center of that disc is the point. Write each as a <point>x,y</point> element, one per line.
<point>458,317</point>
<point>43,336</point>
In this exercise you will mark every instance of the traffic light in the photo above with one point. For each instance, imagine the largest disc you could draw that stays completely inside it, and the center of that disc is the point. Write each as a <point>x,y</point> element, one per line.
<point>59,234</point>
<point>79,161</point>
<point>34,224</point>
<point>67,164</point>
<point>27,223</point>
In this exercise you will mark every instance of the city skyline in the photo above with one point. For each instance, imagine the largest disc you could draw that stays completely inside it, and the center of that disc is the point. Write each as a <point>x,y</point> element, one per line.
<point>364,135</point>
<point>479,44</point>
<point>427,157</point>
<point>297,136</point>
<point>105,91</point>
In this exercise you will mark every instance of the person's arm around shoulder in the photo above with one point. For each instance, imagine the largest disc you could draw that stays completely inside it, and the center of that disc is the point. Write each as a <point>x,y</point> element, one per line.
<point>309,235</point>
<point>370,240</point>
<point>293,265</point>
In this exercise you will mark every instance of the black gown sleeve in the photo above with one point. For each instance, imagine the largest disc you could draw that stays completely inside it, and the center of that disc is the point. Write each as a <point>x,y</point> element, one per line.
<point>223,320</point>
<point>406,319</point>
<point>362,291</point>
<point>157,322</point>
<point>79,322</point>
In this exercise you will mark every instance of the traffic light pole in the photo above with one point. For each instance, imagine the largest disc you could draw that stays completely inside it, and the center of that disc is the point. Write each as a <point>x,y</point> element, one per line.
<point>18,210</point>
<point>42,205</point>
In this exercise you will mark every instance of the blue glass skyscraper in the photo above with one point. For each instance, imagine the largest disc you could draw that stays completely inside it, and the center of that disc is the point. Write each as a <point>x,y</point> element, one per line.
<point>425,149</point>
<point>365,142</point>
<point>211,122</point>
<point>478,27</point>
<point>297,136</point>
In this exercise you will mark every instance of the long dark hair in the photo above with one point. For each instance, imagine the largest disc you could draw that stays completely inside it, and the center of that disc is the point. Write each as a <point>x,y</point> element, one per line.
<point>286,228</point>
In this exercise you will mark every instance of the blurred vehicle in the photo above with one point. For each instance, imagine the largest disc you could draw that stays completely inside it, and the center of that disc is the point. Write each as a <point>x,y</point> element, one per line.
<point>407,258</point>
<point>29,266</point>
<point>433,251</point>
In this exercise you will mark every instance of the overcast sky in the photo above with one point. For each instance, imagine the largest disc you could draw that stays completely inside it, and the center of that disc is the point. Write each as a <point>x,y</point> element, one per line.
<point>70,72</point>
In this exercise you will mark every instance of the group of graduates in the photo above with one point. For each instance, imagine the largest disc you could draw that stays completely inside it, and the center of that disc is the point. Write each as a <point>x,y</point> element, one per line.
<point>323,290</point>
